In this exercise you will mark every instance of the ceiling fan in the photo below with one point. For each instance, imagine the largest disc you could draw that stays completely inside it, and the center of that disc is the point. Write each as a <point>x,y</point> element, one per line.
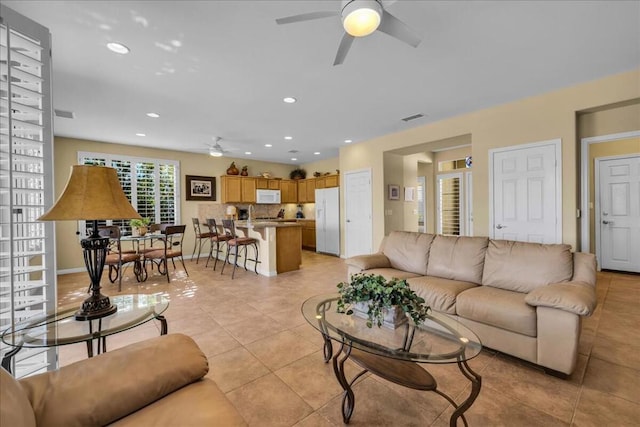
<point>359,19</point>
<point>216,149</point>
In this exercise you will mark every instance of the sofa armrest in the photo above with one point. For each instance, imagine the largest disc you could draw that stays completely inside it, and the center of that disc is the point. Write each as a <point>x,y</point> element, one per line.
<point>102,389</point>
<point>575,297</point>
<point>367,262</point>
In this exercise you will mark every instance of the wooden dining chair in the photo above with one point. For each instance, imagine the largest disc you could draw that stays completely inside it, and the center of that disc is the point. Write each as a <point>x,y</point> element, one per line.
<point>172,237</point>
<point>218,240</point>
<point>201,238</point>
<point>117,258</point>
<point>238,243</point>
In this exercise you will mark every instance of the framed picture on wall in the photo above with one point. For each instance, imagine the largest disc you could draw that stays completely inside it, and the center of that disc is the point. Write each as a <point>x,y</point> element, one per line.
<point>201,188</point>
<point>394,192</point>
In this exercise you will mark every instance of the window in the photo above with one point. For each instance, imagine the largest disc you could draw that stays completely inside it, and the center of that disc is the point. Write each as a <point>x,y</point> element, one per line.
<point>151,185</point>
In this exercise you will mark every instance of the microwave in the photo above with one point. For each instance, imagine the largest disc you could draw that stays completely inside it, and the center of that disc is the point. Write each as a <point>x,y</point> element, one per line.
<point>268,196</point>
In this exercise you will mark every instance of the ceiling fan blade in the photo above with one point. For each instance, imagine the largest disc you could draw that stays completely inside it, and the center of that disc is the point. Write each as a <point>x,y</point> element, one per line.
<point>343,49</point>
<point>398,29</point>
<point>306,17</point>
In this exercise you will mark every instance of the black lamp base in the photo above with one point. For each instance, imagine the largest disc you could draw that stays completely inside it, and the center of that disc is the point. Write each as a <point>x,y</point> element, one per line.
<point>94,249</point>
<point>95,307</point>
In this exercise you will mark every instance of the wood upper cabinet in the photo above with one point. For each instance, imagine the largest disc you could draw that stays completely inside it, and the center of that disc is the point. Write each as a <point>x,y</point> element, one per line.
<point>238,189</point>
<point>311,191</point>
<point>328,181</point>
<point>268,184</point>
<point>288,191</point>
<point>307,190</point>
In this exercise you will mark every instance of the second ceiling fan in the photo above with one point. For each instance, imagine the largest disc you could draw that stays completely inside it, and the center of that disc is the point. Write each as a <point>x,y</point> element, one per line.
<point>359,19</point>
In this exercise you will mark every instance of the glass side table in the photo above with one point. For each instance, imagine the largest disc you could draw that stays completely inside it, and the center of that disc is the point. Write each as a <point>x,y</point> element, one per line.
<point>59,326</point>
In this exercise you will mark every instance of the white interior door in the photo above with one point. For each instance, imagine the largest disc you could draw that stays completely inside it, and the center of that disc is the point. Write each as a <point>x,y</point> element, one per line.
<point>618,213</point>
<point>422,204</point>
<point>358,212</point>
<point>525,193</point>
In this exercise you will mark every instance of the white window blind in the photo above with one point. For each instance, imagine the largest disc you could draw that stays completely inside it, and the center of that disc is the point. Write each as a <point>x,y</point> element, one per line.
<point>151,185</point>
<point>27,252</point>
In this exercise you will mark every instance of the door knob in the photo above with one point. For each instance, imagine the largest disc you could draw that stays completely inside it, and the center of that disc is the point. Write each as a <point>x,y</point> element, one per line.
<point>607,222</point>
<point>500,226</point>
<point>348,220</point>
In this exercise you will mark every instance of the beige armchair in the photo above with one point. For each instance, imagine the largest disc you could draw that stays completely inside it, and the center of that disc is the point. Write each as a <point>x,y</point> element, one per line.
<point>157,382</point>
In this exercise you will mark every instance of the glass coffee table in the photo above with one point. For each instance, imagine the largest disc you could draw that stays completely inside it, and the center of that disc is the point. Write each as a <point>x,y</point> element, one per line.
<point>60,327</point>
<point>394,354</point>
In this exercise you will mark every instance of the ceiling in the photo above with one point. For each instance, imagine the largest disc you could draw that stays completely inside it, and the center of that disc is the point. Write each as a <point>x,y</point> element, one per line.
<point>222,68</point>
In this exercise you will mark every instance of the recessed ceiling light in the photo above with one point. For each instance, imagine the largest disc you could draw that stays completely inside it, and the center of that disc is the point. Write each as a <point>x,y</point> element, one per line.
<point>316,153</point>
<point>141,134</point>
<point>348,141</point>
<point>289,100</point>
<point>153,115</point>
<point>247,152</point>
<point>294,159</point>
<point>268,145</point>
<point>118,48</point>
<point>288,138</point>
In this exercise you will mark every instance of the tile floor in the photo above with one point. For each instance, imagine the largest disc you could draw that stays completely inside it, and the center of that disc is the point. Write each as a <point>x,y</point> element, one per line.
<point>268,360</point>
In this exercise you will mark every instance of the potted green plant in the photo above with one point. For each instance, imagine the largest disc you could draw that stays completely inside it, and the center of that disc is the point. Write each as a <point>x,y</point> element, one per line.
<point>383,302</point>
<point>139,226</point>
<point>298,174</point>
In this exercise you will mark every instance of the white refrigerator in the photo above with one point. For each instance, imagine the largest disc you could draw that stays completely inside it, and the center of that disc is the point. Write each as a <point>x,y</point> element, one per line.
<point>328,220</point>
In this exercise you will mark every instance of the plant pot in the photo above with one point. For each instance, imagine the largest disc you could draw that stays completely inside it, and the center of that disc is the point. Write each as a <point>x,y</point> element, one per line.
<point>393,316</point>
<point>139,231</point>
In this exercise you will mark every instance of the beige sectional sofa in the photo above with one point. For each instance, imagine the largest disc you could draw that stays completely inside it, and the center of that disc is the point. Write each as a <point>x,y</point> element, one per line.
<point>523,299</point>
<point>157,382</point>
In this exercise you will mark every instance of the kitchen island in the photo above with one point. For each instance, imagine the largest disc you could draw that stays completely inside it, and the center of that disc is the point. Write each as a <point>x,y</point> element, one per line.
<point>280,244</point>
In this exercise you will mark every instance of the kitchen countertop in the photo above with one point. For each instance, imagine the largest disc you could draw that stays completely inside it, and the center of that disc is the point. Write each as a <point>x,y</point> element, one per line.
<point>265,224</point>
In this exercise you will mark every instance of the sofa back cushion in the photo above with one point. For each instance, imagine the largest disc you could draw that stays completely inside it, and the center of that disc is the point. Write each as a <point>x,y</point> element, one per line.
<point>523,266</point>
<point>457,258</point>
<point>408,251</point>
<point>15,408</point>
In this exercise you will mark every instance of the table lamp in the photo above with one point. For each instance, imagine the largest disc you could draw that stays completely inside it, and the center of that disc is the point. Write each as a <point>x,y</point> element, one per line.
<point>92,193</point>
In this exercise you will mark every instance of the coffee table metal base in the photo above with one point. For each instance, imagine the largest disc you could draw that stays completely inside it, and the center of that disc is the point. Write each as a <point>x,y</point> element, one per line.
<point>405,373</point>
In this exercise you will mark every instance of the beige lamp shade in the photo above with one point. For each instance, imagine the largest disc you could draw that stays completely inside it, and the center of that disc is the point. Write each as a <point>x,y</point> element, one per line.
<point>92,193</point>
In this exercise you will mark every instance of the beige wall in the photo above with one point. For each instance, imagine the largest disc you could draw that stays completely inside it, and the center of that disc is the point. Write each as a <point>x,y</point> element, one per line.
<point>69,256</point>
<point>539,118</point>
<point>610,120</point>
<point>322,166</point>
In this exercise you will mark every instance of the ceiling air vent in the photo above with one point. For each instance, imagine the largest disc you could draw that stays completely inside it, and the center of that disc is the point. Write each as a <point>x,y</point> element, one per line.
<point>65,114</point>
<point>292,151</point>
<point>415,116</point>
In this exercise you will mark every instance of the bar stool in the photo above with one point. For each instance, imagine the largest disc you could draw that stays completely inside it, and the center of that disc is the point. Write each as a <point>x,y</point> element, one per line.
<point>238,242</point>
<point>201,238</point>
<point>217,240</point>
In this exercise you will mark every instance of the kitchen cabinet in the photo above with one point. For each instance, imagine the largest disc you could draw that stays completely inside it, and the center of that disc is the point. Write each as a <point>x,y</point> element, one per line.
<point>306,190</point>
<point>238,189</point>
<point>288,191</point>
<point>328,181</point>
<point>268,184</point>
<point>308,234</point>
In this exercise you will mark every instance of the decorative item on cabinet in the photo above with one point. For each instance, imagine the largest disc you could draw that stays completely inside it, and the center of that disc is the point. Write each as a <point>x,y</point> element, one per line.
<point>316,174</point>
<point>233,170</point>
<point>298,174</point>
<point>245,171</point>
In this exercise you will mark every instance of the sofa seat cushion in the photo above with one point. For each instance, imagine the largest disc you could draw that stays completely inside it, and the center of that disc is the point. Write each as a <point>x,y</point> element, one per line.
<point>391,273</point>
<point>440,294</point>
<point>498,307</point>
<point>15,408</point>
<point>523,266</point>
<point>457,258</point>
<point>408,251</point>
<point>197,404</point>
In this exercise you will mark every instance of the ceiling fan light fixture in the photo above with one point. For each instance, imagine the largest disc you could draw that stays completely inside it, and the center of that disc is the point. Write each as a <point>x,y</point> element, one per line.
<point>215,153</point>
<point>361,17</point>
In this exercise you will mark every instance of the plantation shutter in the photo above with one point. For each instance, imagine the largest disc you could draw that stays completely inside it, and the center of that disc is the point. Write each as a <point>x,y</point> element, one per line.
<point>151,185</point>
<point>27,247</point>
